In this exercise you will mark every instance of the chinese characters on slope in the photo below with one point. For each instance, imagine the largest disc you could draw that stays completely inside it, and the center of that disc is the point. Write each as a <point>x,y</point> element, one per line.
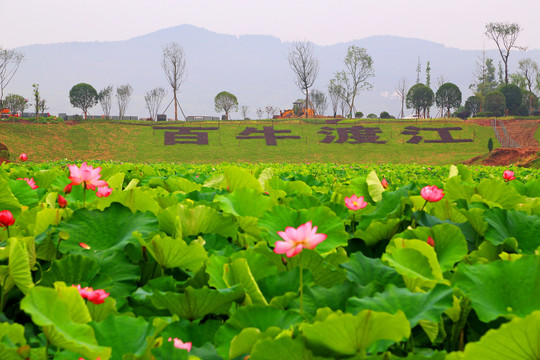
<point>355,134</point>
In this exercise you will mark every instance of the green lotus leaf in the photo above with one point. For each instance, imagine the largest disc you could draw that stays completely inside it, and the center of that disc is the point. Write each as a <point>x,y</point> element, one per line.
<point>255,316</point>
<point>171,253</point>
<point>19,265</point>
<point>175,183</point>
<point>390,206</point>
<point>23,192</point>
<point>8,201</point>
<point>368,272</point>
<point>99,312</point>
<point>281,283</point>
<point>517,339</point>
<point>234,178</point>
<point>73,269</point>
<point>501,288</point>
<point>239,272</point>
<point>499,192</point>
<point>450,244</point>
<point>334,298</point>
<point>116,181</point>
<point>12,340</point>
<point>205,220</point>
<point>196,303</point>
<point>242,343</point>
<point>504,224</point>
<point>281,347</point>
<point>304,201</point>
<point>43,304</point>
<point>105,231</point>
<point>416,261</point>
<point>291,187</point>
<point>244,202</point>
<point>75,306</point>
<point>117,275</point>
<point>124,335</point>
<point>455,189</point>
<point>374,185</point>
<point>324,274</point>
<point>169,222</point>
<point>327,222</point>
<point>416,306</point>
<point>347,335</point>
<point>475,217</point>
<point>378,230</point>
<point>359,187</point>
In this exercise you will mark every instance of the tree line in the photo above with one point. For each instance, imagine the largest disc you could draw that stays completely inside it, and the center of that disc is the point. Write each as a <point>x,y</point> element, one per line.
<point>496,92</point>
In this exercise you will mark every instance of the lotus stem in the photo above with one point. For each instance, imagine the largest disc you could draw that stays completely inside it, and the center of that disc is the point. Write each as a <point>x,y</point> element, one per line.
<point>301,284</point>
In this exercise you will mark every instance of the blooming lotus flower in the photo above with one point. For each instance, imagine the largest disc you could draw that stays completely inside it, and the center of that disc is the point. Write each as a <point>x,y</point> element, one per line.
<point>355,203</point>
<point>86,175</point>
<point>6,219</point>
<point>297,239</point>
<point>62,202</point>
<point>179,344</point>
<point>95,296</point>
<point>23,157</point>
<point>30,182</point>
<point>432,193</point>
<point>384,183</point>
<point>508,175</point>
<point>103,191</point>
<point>430,241</point>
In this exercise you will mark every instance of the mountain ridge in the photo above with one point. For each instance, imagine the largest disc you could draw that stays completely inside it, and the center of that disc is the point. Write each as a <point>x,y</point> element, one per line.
<point>253,67</point>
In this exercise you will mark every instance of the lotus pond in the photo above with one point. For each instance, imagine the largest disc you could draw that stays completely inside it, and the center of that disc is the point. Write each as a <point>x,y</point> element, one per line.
<point>178,262</point>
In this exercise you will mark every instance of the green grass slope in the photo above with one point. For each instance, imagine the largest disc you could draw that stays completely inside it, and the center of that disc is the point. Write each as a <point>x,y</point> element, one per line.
<point>135,143</point>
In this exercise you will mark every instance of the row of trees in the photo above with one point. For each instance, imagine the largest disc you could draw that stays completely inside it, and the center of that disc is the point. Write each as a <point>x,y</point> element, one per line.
<point>343,88</point>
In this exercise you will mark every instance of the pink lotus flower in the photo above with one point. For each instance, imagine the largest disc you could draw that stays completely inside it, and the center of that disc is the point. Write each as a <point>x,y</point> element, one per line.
<point>62,202</point>
<point>432,193</point>
<point>384,183</point>
<point>430,241</point>
<point>355,203</point>
<point>179,344</point>
<point>103,191</point>
<point>6,219</point>
<point>86,175</point>
<point>30,182</point>
<point>23,157</point>
<point>297,239</point>
<point>508,175</point>
<point>95,296</point>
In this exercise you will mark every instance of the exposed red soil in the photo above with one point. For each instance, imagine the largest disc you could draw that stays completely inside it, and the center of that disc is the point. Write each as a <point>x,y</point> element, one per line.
<point>522,132</point>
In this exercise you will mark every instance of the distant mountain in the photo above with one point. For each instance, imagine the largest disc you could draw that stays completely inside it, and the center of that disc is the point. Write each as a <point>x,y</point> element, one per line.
<point>253,67</point>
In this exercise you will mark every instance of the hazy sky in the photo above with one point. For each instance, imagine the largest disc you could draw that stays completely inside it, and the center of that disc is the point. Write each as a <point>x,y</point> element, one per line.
<point>454,23</point>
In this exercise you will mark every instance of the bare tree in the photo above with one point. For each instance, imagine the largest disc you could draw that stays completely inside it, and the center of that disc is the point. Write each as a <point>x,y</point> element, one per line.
<point>304,65</point>
<point>528,69</point>
<point>270,111</point>
<point>334,89</point>
<point>320,101</point>
<point>153,99</point>
<point>244,109</point>
<point>123,95</point>
<point>174,65</point>
<point>9,63</point>
<point>401,91</point>
<point>504,35</point>
<point>43,106</point>
<point>260,113</point>
<point>345,90</point>
<point>105,100</point>
<point>358,69</point>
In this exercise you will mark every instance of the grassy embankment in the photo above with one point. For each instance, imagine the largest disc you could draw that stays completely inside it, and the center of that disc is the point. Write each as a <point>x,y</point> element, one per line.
<point>124,142</point>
